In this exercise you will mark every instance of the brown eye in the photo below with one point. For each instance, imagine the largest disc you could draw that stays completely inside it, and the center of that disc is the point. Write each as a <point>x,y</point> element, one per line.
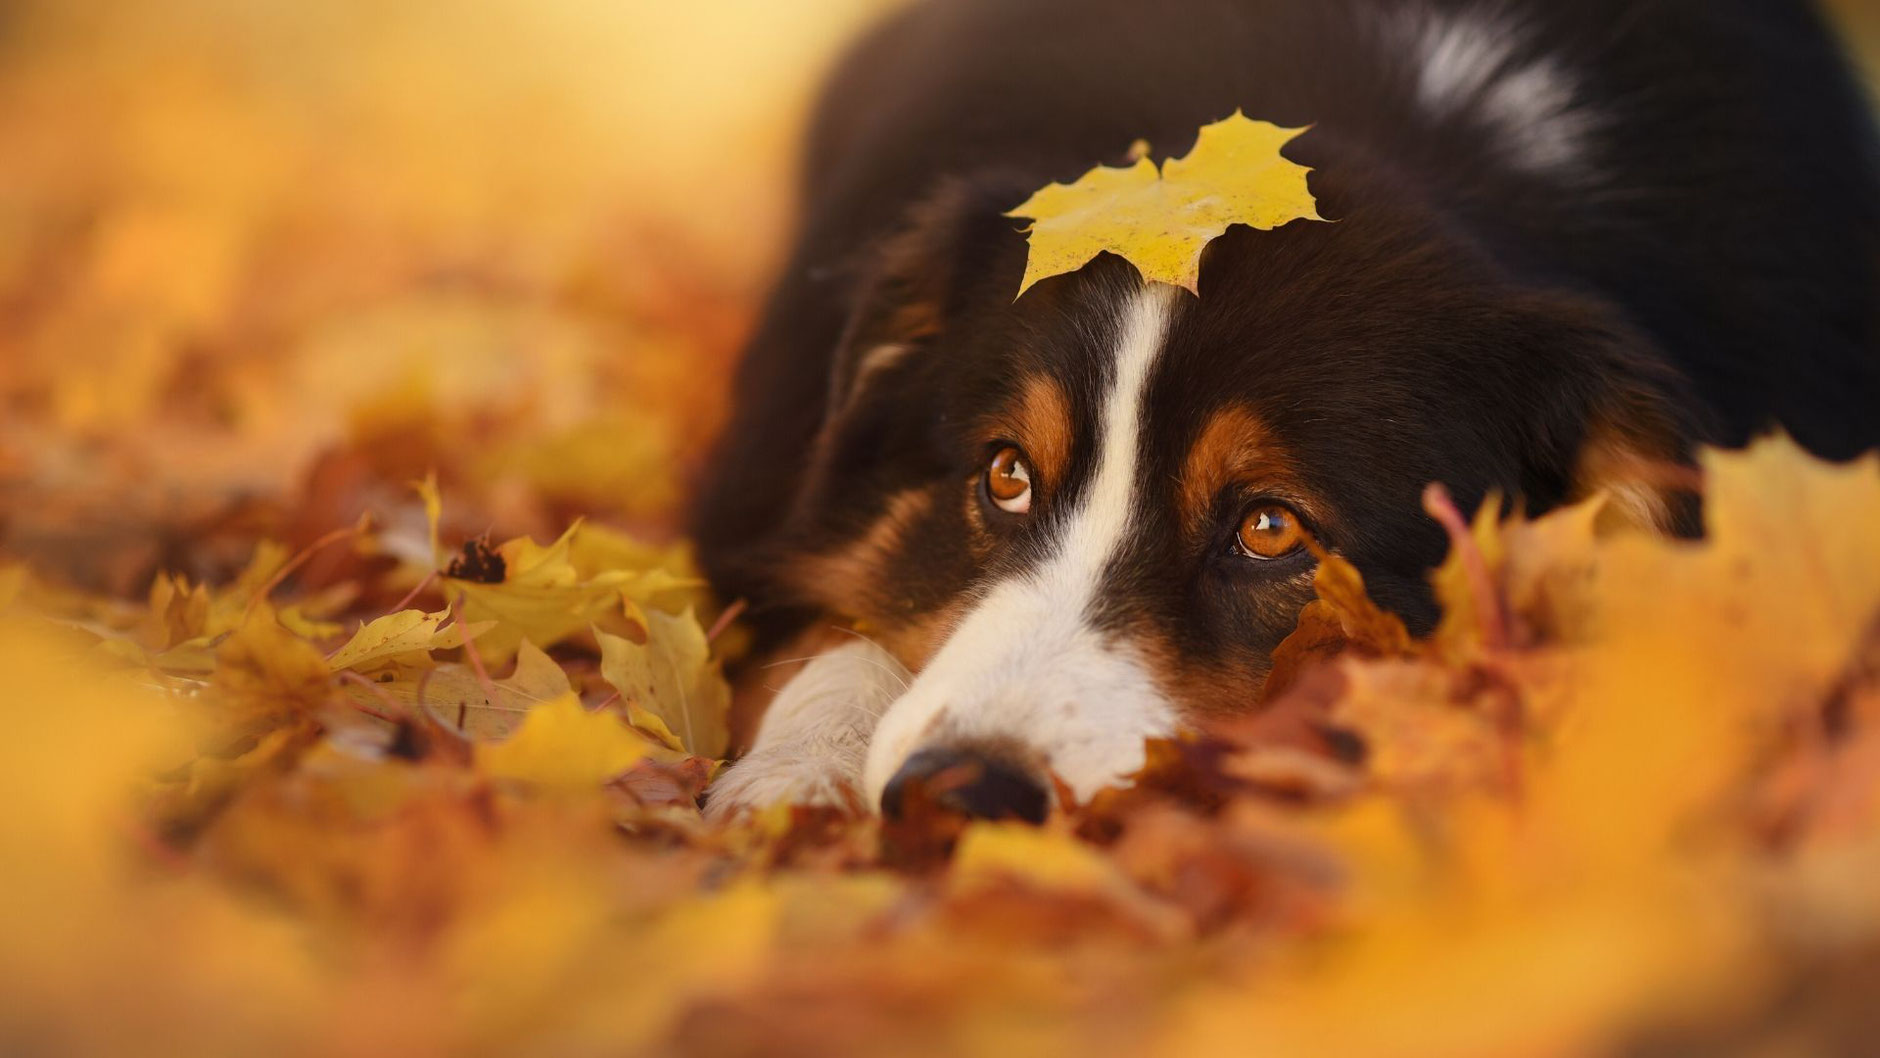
<point>1008,481</point>
<point>1270,531</point>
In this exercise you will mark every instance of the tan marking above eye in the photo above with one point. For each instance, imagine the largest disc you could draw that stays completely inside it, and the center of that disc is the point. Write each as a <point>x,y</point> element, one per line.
<point>1034,413</point>
<point>1269,531</point>
<point>1234,446</point>
<point>1008,481</point>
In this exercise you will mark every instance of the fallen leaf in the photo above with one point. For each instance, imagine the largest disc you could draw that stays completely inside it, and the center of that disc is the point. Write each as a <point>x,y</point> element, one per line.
<point>561,744</point>
<point>997,852</point>
<point>455,696</point>
<point>1342,618</point>
<point>406,637</point>
<point>673,678</point>
<point>266,676</point>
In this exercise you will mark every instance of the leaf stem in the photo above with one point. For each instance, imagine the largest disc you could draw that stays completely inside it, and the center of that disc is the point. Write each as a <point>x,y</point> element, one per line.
<point>1438,504</point>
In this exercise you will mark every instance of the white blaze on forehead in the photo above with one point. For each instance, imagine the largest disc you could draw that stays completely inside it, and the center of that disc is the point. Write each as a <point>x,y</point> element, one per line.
<point>1026,665</point>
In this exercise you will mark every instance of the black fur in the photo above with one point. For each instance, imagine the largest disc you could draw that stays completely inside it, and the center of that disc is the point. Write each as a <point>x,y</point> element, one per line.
<point>1710,270</point>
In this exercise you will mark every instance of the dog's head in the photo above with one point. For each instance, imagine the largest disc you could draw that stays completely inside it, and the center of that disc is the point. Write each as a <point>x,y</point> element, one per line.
<point>1080,516</point>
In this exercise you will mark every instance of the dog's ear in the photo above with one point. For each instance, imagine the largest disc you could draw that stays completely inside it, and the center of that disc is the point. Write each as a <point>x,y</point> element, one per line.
<point>1621,420</point>
<point>1636,452</point>
<point>910,290</point>
<point>911,284</point>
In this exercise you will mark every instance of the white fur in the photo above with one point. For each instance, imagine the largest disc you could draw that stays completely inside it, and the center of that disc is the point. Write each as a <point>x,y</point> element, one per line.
<point>811,745</point>
<point>1025,664</point>
<point>1470,64</point>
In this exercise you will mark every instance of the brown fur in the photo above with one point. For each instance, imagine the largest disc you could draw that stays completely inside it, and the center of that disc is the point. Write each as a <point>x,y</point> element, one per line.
<point>855,582</point>
<point>1040,421</point>
<point>850,580</point>
<point>1234,448</point>
<point>914,642</point>
<point>1634,461</point>
<point>1222,685</point>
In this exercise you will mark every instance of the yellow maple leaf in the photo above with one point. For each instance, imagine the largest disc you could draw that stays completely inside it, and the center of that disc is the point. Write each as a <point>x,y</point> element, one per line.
<point>653,724</point>
<point>1703,650</point>
<point>664,578</point>
<point>543,597</point>
<point>179,613</point>
<point>264,674</point>
<point>455,696</point>
<point>561,744</point>
<point>1161,221</point>
<point>407,637</point>
<point>1043,858</point>
<point>671,677</point>
<point>994,855</point>
<point>589,575</point>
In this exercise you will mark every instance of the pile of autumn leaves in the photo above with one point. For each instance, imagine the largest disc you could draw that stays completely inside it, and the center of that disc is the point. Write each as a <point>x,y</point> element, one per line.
<point>1626,800</point>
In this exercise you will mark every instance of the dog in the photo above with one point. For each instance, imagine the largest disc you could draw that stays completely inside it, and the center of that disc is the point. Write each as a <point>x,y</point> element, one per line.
<point>1568,237</point>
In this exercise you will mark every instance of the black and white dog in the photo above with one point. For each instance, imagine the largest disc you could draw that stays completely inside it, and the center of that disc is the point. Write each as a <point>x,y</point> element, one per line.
<point>1570,235</point>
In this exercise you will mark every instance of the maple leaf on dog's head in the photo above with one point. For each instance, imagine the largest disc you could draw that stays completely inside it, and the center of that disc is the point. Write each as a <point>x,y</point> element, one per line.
<point>1160,222</point>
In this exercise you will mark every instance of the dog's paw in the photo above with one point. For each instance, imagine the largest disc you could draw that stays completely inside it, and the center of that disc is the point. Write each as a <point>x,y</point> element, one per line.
<point>814,738</point>
<point>765,778</point>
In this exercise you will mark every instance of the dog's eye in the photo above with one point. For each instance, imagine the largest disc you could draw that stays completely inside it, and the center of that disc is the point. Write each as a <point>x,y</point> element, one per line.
<point>1270,531</point>
<point>1008,481</point>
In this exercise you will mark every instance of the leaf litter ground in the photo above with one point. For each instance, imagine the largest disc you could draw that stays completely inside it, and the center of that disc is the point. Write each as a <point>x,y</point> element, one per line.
<point>330,767</point>
<point>1625,795</point>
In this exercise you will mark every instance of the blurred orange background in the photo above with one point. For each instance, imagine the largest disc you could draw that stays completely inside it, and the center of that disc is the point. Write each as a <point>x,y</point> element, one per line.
<point>516,239</point>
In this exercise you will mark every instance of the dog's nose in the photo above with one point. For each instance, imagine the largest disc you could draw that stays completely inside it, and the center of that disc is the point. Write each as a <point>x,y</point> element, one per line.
<point>968,782</point>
